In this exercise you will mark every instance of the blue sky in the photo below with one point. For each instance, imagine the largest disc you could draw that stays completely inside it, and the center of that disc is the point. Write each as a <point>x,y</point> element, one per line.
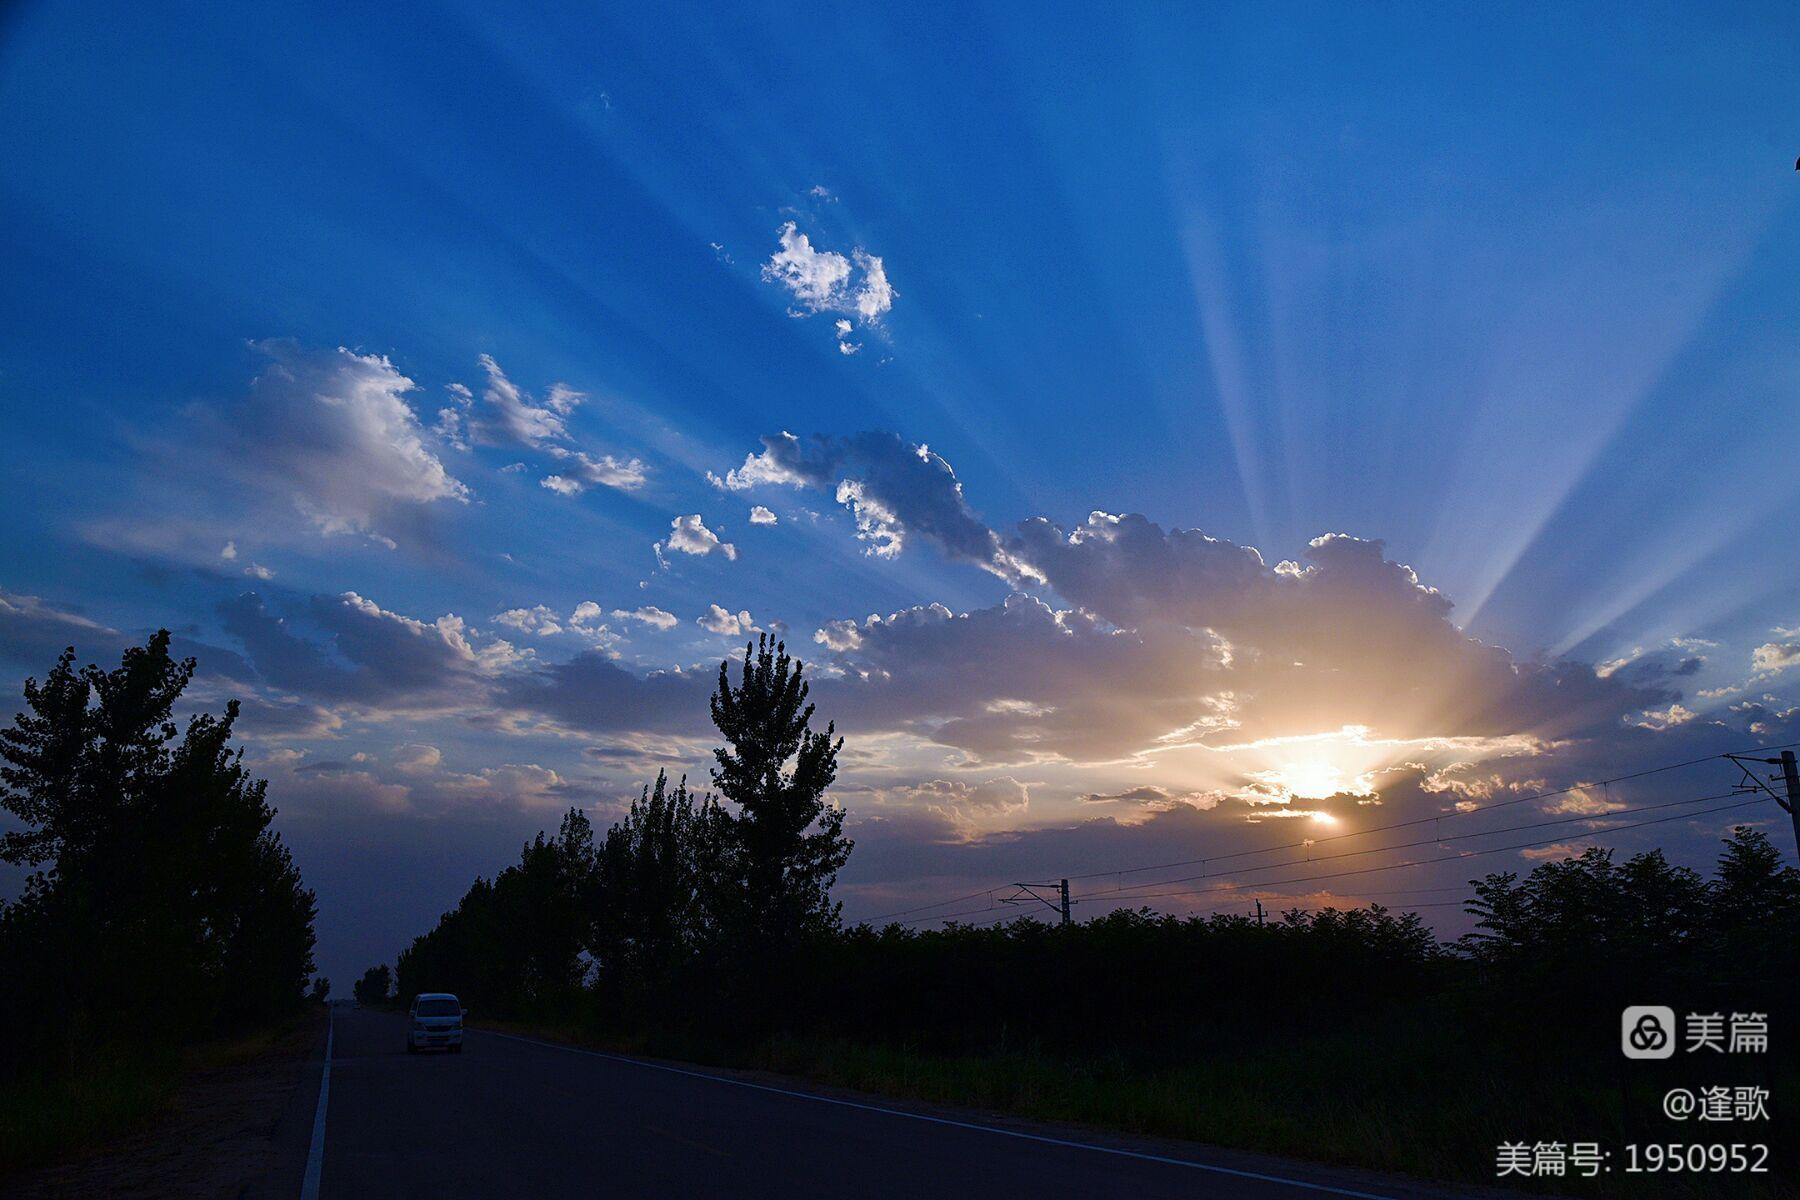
<point>1509,291</point>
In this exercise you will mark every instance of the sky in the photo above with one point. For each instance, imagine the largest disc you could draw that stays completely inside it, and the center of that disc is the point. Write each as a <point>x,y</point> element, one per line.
<point>1165,432</point>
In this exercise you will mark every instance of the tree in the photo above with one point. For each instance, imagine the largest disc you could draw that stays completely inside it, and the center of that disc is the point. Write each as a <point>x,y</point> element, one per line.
<point>785,844</point>
<point>321,990</point>
<point>655,875</point>
<point>373,987</point>
<point>159,875</point>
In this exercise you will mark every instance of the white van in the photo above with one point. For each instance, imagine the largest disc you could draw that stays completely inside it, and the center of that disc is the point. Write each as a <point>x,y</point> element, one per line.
<point>435,1019</point>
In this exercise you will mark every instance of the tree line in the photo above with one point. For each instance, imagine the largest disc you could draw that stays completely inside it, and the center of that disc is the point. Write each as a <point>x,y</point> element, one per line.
<point>160,907</point>
<point>702,921</point>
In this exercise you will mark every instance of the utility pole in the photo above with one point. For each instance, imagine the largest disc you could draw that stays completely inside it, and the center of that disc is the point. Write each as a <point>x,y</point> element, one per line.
<point>1259,914</point>
<point>1058,901</point>
<point>1065,883</point>
<point>1790,779</point>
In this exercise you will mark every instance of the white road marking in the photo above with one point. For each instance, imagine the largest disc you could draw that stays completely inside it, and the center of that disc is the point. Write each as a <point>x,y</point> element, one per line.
<point>914,1116</point>
<point>315,1157</point>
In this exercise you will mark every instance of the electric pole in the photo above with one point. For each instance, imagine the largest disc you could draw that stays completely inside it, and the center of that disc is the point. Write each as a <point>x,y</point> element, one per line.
<point>1790,780</point>
<point>1058,900</point>
<point>1259,914</point>
<point>1065,883</point>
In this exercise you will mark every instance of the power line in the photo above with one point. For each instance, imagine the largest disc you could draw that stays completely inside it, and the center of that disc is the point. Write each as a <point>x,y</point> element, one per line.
<point>1431,841</point>
<point>1275,883</point>
<point>1128,892</point>
<point>1574,787</point>
<point>1422,862</point>
<point>1599,783</point>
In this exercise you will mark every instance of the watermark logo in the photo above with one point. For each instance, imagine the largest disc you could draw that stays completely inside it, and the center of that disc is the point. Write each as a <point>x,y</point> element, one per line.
<point>1647,1031</point>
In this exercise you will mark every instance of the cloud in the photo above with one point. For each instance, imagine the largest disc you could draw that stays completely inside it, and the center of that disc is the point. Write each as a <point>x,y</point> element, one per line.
<point>229,552</point>
<point>690,535</point>
<point>581,470</point>
<point>538,621</point>
<point>417,759</point>
<point>762,516</point>
<point>511,418</point>
<point>838,635</point>
<point>720,620</point>
<point>649,615</point>
<point>844,329</point>
<point>893,489</point>
<point>368,655</point>
<point>824,281</point>
<point>1155,798</point>
<point>875,295</point>
<point>331,432</point>
<point>1773,657</point>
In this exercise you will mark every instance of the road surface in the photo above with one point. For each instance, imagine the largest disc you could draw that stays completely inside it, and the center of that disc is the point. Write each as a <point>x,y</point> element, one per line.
<point>515,1117</point>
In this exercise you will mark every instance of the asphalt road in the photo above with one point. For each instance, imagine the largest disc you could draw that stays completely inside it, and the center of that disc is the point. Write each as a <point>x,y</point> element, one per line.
<point>510,1117</point>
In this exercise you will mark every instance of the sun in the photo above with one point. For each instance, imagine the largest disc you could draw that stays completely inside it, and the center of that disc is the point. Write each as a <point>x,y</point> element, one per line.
<point>1309,779</point>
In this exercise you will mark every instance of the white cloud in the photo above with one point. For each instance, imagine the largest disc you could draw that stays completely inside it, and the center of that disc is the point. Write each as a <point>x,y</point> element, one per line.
<point>1771,657</point>
<point>258,571</point>
<point>512,419</point>
<point>229,552</point>
<point>839,635</point>
<point>760,515</point>
<point>649,615</point>
<point>719,620</point>
<point>824,281</point>
<point>815,277</point>
<point>690,535</point>
<point>580,468</point>
<point>333,431</point>
<point>561,486</point>
<point>538,620</point>
<point>844,330</point>
<point>875,298</point>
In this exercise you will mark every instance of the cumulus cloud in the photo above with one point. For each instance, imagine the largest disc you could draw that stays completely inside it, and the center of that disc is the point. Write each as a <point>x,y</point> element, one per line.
<point>824,281</point>
<point>893,489</point>
<point>760,515</point>
<point>332,432</point>
<point>367,655</point>
<point>1772,657</point>
<point>690,535</point>
<point>838,635</point>
<point>538,621</point>
<point>649,615</point>
<point>719,620</point>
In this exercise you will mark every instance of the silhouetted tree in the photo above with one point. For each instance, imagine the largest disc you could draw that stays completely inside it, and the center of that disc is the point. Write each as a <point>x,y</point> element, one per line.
<point>784,844</point>
<point>159,875</point>
<point>321,990</point>
<point>515,946</point>
<point>373,987</point>
<point>657,872</point>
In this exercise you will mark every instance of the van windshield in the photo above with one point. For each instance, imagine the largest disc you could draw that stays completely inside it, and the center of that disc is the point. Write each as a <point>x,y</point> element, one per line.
<point>439,1008</point>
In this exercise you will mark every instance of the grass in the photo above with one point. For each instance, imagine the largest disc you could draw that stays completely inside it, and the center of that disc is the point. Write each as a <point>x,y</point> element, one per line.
<point>109,1094</point>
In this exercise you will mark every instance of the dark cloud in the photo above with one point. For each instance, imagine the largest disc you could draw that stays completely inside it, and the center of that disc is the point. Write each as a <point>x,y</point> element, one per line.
<point>594,694</point>
<point>895,490</point>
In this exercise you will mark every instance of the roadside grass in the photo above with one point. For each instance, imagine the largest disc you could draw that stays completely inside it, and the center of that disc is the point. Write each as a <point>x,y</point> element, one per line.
<point>108,1094</point>
<point>1404,1101</point>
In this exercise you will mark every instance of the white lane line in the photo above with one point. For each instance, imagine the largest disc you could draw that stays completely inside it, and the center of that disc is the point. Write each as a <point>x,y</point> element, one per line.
<point>315,1157</point>
<point>914,1116</point>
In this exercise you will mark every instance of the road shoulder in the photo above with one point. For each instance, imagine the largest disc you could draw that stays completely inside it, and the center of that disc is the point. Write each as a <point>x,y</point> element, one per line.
<point>226,1132</point>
